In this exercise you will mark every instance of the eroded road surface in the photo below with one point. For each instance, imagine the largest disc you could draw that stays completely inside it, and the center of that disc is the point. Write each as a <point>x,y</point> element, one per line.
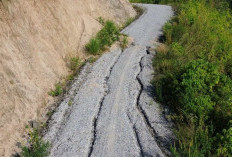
<point>113,113</point>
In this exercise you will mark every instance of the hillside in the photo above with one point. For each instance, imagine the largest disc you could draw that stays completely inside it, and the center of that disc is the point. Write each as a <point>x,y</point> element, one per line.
<point>36,40</point>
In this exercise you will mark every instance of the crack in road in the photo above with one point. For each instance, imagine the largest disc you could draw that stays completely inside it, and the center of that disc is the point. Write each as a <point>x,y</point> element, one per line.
<point>110,115</point>
<point>100,107</point>
<point>136,135</point>
<point>143,113</point>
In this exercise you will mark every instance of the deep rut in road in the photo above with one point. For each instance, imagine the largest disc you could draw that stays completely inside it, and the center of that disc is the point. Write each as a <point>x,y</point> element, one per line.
<point>144,115</point>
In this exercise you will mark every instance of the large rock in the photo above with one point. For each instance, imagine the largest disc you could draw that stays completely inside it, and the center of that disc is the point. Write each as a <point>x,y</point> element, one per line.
<point>36,39</point>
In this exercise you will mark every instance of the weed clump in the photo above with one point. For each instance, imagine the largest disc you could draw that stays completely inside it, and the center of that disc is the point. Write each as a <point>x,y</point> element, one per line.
<point>93,47</point>
<point>57,91</point>
<point>37,147</point>
<point>124,42</point>
<point>104,38</point>
<point>139,11</point>
<point>75,63</point>
<point>109,34</point>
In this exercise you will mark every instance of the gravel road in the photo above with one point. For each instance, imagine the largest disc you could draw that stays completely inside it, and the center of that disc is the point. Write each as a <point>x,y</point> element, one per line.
<point>113,113</point>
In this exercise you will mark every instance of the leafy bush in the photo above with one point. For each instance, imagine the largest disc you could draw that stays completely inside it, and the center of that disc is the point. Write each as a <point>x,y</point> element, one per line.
<point>37,148</point>
<point>195,87</point>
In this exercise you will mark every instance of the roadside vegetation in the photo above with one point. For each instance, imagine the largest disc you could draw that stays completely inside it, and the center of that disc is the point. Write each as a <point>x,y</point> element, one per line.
<point>36,147</point>
<point>139,11</point>
<point>142,1</point>
<point>104,38</point>
<point>57,91</point>
<point>124,41</point>
<point>74,65</point>
<point>109,34</point>
<point>194,76</point>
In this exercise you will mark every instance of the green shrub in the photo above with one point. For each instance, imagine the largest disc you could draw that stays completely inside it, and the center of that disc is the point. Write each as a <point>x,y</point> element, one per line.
<point>37,148</point>
<point>195,87</point>
<point>194,77</point>
<point>201,91</point>
<point>225,142</point>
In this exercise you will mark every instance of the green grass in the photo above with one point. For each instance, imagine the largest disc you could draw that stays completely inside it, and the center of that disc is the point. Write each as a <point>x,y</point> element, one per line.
<point>92,59</point>
<point>101,20</point>
<point>104,38</point>
<point>128,22</point>
<point>109,34</point>
<point>193,76</point>
<point>93,47</point>
<point>57,91</point>
<point>124,42</point>
<point>37,147</point>
<point>139,11</point>
<point>75,63</point>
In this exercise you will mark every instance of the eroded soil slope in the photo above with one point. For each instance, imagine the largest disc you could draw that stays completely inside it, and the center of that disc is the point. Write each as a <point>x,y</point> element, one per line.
<point>36,39</point>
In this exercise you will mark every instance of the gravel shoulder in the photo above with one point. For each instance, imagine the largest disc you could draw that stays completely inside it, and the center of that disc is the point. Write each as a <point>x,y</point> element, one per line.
<point>113,113</point>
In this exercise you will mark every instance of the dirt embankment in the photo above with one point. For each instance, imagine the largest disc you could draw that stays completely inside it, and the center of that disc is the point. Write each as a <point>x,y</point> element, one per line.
<point>36,39</point>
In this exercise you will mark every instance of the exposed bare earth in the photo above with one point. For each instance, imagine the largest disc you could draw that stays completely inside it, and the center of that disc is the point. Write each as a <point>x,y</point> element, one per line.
<point>37,37</point>
<point>113,112</point>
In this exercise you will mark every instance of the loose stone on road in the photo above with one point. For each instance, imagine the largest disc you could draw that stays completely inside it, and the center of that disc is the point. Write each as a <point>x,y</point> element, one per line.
<point>114,113</point>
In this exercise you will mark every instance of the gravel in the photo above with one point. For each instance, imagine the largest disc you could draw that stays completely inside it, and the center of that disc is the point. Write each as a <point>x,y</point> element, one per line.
<point>113,112</point>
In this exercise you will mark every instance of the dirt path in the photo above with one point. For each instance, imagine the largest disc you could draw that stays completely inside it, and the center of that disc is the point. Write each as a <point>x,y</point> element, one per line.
<point>113,112</point>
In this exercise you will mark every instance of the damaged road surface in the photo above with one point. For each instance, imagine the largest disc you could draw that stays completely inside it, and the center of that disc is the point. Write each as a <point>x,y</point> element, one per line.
<point>113,113</point>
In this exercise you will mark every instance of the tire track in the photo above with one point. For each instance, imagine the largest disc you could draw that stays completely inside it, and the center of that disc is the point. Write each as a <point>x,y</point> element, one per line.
<point>95,120</point>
